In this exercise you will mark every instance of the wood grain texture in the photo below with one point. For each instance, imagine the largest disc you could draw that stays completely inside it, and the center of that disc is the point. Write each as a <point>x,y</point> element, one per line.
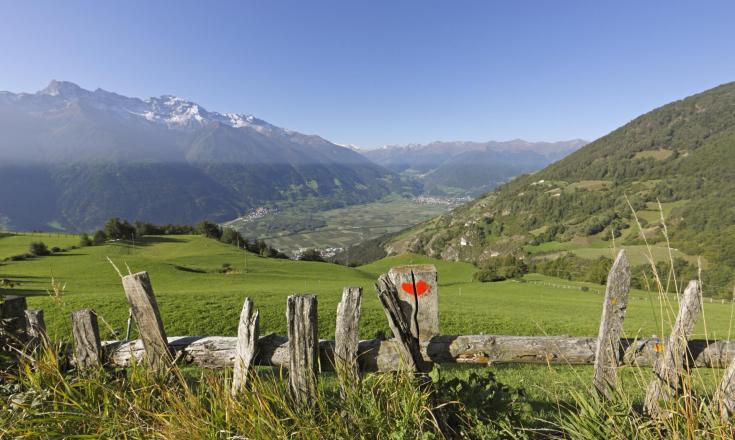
<point>248,331</point>
<point>417,284</point>
<point>303,346</point>
<point>35,328</point>
<point>142,301</point>
<point>723,401</point>
<point>607,353</point>
<point>12,323</point>
<point>379,355</point>
<point>669,367</point>
<point>87,345</point>
<point>406,340</point>
<point>347,337</point>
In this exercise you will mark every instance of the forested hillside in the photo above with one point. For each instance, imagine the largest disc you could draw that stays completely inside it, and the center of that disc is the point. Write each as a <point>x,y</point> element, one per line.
<point>681,155</point>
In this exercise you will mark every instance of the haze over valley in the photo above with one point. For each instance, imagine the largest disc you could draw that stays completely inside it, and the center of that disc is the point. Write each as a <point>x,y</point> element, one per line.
<point>84,156</point>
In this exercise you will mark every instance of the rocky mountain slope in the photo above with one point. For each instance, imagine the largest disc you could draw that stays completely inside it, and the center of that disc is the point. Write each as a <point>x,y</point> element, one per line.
<point>71,158</point>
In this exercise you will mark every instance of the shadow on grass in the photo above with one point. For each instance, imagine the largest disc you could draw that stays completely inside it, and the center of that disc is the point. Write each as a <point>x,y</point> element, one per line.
<point>22,292</point>
<point>13,277</point>
<point>188,269</point>
<point>149,240</point>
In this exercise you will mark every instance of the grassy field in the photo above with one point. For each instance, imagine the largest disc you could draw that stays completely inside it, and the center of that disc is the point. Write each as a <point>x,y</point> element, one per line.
<point>196,299</point>
<point>338,227</point>
<point>18,244</point>
<point>192,291</point>
<point>652,213</point>
<point>638,254</point>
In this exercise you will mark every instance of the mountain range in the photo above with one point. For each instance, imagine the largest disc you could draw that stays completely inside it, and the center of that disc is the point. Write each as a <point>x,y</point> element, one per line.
<point>469,168</point>
<point>71,158</point>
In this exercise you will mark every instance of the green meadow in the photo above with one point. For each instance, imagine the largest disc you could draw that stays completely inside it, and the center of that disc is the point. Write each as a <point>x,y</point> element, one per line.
<point>196,298</point>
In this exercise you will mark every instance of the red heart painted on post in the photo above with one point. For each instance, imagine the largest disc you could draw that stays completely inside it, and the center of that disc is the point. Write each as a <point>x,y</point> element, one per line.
<point>422,287</point>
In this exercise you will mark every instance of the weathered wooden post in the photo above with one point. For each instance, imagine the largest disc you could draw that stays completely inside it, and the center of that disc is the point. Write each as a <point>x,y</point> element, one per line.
<point>303,346</point>
<point>12,323</point>
<point>723,402</point>
<point>418,295</point>
<point>347,337</point>
<point>407,343</point>
<point>607,353</point>
<point>248,331</point>
<point>669,368</point>
<point>35,328</point>
<point>35,324</point>
<point>142,300</point>
<point>87,346</point>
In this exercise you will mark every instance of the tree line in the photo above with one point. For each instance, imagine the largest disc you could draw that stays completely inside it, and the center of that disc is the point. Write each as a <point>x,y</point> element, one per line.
<point>119,229</point>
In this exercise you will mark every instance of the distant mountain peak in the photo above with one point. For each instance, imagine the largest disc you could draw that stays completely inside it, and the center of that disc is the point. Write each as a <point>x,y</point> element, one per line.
<point>85,156</point>
<point>62,88</point>
<point>172,111</point>
<point>101,113</point>
<point>553,149</point>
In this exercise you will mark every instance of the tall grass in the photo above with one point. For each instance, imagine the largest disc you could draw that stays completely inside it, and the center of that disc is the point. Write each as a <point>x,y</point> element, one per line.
<point>691,414</point>
<point>43,401</point>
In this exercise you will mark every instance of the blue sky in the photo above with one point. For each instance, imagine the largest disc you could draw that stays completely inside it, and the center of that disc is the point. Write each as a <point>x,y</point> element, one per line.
<point>384,72</point>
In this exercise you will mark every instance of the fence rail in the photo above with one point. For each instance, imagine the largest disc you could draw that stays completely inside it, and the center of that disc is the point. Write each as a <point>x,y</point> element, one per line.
<point>382,355</point>
<point>409,296</point>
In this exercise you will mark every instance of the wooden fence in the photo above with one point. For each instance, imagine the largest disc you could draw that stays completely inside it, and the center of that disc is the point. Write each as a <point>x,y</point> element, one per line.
<point>409,297</point>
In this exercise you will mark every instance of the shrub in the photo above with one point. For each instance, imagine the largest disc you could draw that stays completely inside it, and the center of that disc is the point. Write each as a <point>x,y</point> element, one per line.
<point>85,241</point>
<point>99,238</point>
<point>486,276</point>
<point>483,397</point>
<point>209,229</point>
<point>38,249</point>
<point>20,257</point>
<point>144,228</point>
<point>55,249</point>
<point>231,236</point>
<point>226,268</point>
<point>597,271</point>
<point>311,255</point>
<point>501,268</point>
<point>119,229</point>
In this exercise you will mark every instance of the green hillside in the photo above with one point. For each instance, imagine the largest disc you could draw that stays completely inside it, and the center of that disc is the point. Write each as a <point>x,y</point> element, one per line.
<point>197,297</point>
<point>681,155</point>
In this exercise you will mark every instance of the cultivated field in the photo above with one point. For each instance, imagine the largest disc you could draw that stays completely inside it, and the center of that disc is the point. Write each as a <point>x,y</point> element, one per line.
<point>337,228</point>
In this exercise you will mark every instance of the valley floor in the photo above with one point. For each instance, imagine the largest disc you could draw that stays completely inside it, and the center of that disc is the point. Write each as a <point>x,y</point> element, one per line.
<point>290,229</point>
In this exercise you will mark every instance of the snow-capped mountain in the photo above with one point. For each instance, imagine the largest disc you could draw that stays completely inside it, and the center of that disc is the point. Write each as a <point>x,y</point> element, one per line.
<point>169,110</point>
<point>88,155</point>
